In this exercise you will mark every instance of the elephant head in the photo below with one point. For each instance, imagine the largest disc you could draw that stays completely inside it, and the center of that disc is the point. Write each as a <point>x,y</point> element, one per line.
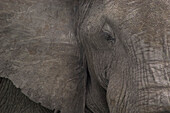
<point>92,56</point>
<point>39,52</point>
<point>126,44</point>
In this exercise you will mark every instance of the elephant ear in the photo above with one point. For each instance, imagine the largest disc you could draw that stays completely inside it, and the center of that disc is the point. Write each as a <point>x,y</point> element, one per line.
<point>39,52</point>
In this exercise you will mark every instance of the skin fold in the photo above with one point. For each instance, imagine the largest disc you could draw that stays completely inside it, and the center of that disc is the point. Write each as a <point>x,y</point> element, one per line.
<point>11,96</point>
<point>126,44</point>
<point>85,56</point>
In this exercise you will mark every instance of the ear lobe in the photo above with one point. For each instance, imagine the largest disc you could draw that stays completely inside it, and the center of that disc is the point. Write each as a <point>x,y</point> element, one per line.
<point>40,55</point>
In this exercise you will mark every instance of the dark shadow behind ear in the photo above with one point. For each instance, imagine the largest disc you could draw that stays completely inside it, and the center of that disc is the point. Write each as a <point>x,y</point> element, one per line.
<point>40,54</point>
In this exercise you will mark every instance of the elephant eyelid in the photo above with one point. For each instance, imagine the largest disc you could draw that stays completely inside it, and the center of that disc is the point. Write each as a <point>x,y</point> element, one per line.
<point>106,28</point>
<point>108,33</point>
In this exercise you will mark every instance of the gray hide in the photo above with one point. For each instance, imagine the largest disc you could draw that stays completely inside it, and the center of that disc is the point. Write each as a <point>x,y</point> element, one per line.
<point>39,53</point>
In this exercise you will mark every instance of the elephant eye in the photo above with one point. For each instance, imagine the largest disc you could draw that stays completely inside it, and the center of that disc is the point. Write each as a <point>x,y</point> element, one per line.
<point>108,34</point>
<point>110,38</point>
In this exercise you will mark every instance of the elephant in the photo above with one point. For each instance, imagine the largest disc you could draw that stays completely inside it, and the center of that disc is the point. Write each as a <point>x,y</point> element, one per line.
<point>39,54</point>
<point>85,56</point>
<point>126,44</point>
<point>10,95</point>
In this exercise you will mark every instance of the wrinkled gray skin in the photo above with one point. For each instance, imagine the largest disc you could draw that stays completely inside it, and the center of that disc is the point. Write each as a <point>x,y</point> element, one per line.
<point>126,44</point>
<point>13,101</point>
<point>40,55</point>
<point>92,56</point>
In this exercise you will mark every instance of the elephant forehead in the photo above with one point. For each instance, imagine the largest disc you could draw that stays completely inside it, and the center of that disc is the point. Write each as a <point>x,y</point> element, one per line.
<point>150,18</point>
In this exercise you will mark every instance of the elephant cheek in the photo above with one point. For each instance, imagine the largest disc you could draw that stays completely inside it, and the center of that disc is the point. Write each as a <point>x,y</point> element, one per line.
<point>116,93</point>
<point>142,89</point>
